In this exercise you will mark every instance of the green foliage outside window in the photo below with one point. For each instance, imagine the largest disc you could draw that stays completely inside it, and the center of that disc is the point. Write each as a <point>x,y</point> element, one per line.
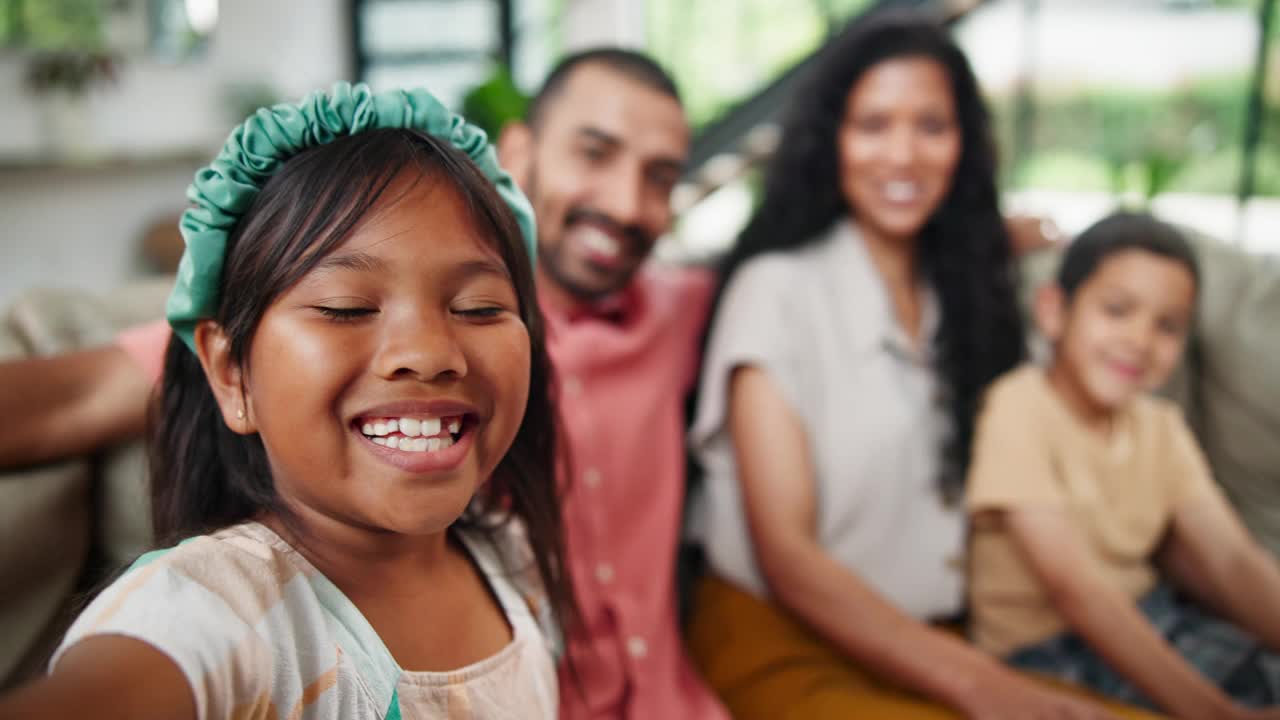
<point>52,25</point>
<point>1140,141</point>
<point>722,52</point>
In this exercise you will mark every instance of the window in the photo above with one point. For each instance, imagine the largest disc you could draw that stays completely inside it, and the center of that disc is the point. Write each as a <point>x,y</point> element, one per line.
<point>1143,102</point>
<point>449,46</point>
<point>164,29</point>
<point>722,52</point>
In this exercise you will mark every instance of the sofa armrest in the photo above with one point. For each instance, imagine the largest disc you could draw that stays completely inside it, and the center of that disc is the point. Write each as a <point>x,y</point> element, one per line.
<point>55,517</point>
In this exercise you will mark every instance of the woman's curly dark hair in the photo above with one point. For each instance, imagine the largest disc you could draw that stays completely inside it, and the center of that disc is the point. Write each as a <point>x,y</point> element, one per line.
<point>964,249</point>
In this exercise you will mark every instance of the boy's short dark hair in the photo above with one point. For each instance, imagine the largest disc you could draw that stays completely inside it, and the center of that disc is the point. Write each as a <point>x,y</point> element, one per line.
<point>1119,232</point>
<point>636,66</point>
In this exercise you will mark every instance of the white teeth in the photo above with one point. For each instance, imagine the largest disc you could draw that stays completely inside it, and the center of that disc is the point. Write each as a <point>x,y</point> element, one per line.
<point>417,444</point>
<point>901,190</point>
<point>601,242</point>
<point>415,434</point>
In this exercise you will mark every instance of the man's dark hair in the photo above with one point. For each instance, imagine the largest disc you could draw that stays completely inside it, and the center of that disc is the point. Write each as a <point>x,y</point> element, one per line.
<point>634,65</point>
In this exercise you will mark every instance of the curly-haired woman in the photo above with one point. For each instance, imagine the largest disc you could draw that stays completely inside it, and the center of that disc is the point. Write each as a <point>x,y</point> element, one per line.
<point>865,308</point>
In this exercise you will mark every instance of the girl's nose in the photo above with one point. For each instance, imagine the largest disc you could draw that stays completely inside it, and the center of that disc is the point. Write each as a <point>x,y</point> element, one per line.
<point>422,345</point>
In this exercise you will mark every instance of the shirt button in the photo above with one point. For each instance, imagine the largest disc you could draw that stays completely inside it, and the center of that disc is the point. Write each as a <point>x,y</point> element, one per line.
<point>592,478</point>
<point>604,573</point>
<point>637,647</point>
<point>572,386</point>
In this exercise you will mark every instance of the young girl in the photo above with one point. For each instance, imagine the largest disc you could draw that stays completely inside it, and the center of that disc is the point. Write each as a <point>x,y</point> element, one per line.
<point>353,434</point>
<point>1082,483</point>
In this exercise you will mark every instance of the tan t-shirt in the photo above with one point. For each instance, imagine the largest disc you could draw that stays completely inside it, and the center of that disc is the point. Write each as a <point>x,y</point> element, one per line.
<point>1120,490</point>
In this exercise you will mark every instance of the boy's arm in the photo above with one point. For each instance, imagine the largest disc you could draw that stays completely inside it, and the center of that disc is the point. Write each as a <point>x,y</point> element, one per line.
<point>66,405</point>
<point>776,470</point>
<point>1210,553</point>
<point>1109,621</point>
<point>108,676</point>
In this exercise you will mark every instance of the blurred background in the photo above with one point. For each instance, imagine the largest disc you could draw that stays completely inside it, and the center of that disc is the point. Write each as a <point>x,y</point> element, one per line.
<point>110,105</point>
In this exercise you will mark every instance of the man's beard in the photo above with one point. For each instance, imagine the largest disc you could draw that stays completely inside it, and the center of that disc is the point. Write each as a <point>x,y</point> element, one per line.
<point>550,254</point>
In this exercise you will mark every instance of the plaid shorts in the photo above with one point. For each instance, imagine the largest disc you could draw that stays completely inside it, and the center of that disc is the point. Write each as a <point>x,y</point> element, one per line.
<point>1227,656</point>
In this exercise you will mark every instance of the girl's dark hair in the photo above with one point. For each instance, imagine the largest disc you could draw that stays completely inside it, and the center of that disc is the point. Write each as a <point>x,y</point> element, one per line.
<point>964,250</point>
<point>1119,232</point>
<point>205,477</point>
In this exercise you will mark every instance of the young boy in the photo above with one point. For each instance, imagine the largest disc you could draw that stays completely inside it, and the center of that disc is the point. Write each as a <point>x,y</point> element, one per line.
<point>1082,484</point>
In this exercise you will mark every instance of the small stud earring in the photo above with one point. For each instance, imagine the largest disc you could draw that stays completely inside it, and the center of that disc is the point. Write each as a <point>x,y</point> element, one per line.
<point>240,414</point>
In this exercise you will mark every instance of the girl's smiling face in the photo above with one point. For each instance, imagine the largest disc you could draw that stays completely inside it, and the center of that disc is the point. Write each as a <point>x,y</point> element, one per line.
<point>389,382</point>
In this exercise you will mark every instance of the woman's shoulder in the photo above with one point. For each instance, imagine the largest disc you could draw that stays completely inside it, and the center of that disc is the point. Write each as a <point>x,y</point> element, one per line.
<point>798,266</point>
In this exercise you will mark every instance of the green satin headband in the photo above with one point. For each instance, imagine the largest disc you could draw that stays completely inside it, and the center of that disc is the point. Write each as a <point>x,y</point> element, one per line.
<point>223,191</point>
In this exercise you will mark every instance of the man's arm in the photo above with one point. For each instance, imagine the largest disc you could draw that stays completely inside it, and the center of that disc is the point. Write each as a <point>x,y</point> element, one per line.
<point>67,405</point>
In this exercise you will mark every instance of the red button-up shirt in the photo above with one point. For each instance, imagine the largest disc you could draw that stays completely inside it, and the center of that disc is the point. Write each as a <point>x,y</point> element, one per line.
<point>624,372</point>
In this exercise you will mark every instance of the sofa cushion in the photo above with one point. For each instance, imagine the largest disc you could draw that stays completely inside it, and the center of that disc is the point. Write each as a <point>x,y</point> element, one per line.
<point>1238,385</point>
<point>55,517</point>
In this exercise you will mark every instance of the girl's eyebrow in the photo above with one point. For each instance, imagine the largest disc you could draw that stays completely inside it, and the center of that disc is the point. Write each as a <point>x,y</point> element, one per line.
<point>364,262</point>
<point>484,267</point>
<point>357,261</point>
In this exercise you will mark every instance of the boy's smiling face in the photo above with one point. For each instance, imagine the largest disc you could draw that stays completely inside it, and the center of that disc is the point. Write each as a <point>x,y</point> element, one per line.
<point>390,381</point>
<point>1122,332</point>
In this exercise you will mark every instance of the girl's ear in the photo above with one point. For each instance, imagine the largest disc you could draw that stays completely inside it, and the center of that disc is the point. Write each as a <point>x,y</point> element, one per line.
<point>213,348</point>
<point>1050,310</point>
<point>515,151</point>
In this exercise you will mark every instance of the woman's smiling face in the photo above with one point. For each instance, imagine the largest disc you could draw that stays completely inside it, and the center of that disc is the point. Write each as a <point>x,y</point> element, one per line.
<point>389,382</point>
<point>899,146</point>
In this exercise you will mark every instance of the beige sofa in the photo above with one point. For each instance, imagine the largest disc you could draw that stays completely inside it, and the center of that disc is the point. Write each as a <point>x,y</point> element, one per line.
<point>64,527</point>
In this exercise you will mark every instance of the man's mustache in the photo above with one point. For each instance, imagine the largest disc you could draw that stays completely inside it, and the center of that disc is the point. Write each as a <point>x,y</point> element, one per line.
<point>634,234</point>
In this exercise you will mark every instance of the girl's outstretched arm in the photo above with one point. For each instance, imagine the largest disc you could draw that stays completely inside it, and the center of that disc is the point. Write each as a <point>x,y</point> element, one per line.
<point>106,677</point>
<point>1110,622</point>
<point>778,485</point>
<point>1210,553</point>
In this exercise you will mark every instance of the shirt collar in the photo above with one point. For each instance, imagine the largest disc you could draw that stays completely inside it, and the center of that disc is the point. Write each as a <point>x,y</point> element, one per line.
<point>861,289</point>
<point>619,308</point>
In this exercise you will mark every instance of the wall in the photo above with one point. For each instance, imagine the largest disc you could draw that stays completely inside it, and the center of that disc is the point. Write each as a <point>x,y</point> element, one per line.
<point>588,23</point>
<point>79,226</point>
